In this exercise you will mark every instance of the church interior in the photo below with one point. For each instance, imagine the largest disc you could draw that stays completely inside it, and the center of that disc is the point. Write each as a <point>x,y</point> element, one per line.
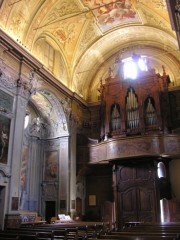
<point>89,111</point>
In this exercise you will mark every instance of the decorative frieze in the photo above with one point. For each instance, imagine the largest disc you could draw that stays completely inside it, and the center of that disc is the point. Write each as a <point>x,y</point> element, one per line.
<point>21,86</point>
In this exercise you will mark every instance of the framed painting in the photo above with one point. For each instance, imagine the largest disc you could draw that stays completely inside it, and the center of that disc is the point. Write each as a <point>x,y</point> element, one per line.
<point>92,200</point>
<point>4,138</point>
<point>51,165</point>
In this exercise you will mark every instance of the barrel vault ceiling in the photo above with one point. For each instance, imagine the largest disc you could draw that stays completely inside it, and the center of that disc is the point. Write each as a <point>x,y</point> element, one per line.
<point>89,35</point>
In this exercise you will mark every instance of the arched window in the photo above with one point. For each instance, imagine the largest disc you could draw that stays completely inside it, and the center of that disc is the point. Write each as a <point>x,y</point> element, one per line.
<point>132,65</point>
<point>26,120</point>
<point>45,52</point>
<point>161,170</point>
<point>49,54</point>
<point>163,182</point>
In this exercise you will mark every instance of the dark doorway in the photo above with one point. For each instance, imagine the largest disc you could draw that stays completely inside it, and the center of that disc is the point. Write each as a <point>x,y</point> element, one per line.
<point>2,203</point>
<point>50,210</point>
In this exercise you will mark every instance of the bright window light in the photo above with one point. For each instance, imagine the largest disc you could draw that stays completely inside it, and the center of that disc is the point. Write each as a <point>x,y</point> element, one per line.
<point>26,121</point>
<point>142,64</point>
<point>161,170</point>
<point>162,210</point>
<point>131,66</point>
<point>130,70</point>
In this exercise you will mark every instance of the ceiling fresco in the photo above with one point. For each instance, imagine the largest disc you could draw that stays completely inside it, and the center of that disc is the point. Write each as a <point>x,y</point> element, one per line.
<point>88,35</point>
<point>110,13</point>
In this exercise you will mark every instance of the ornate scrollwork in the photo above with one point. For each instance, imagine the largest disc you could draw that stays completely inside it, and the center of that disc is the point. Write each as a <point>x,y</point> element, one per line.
<point>27,87</point>
<point>4,175</point>
<point>6,81</point>
<point>66,104</point>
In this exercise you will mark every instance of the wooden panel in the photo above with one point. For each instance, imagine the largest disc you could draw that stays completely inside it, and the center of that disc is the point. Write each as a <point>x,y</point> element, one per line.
<point>139,146</point>
<point>128,209</point>
<point>146,205</point>
<point>136,196</point>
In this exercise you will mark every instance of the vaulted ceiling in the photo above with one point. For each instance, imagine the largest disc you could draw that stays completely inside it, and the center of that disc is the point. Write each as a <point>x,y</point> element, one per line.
<point>89,35</point>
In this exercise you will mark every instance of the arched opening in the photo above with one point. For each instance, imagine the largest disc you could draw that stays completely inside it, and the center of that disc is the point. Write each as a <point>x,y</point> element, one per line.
<point>45,147</point>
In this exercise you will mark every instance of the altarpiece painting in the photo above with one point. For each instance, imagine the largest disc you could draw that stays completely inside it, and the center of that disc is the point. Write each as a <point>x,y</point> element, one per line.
<point>51,165</point>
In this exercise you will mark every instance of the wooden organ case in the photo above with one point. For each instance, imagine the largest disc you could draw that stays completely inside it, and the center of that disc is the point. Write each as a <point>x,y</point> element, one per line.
<point>130,108</point>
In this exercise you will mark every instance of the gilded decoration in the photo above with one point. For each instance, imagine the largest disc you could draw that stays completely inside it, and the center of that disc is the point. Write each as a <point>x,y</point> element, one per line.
<point>86,34</point>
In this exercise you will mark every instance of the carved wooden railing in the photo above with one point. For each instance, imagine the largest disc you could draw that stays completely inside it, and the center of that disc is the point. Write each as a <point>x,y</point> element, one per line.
<point>139,146</point>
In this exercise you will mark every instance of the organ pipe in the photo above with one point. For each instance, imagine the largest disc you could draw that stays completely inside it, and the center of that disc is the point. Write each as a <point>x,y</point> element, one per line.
<point>132,110</point>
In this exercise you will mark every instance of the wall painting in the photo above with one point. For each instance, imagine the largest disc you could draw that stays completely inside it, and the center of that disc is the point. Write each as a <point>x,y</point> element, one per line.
<point>51,165</point>
<point>4,138</point>
<point>23,175</point>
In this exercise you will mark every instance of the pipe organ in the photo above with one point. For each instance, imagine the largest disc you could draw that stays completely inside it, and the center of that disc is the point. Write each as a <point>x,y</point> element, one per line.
<point>131,107</point>
<point>132,110</point>
<point>150,112</point>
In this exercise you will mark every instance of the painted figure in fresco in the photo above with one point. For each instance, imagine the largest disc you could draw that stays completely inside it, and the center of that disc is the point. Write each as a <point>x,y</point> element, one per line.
<point>23,177</point>
<point>51,169</point>
<point>111,11</point>
<point>3,145</point>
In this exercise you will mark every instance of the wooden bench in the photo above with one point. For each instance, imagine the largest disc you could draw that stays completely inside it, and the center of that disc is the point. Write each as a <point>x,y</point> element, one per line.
<point>145,231</point>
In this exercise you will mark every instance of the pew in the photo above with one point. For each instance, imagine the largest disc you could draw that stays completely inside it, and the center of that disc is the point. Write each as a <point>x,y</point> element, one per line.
<point>93,231</point>
<point>144,231</point>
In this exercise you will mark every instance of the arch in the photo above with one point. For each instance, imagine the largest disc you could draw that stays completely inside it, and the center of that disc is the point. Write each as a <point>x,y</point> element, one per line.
<point>99,54</point>
<point>52,118</point>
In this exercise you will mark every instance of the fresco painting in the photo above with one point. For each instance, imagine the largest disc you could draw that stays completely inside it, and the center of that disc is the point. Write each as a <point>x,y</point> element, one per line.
<point>23,175</point>
<point>24,162</point>
<point>4,138</point>
<point>110,13</point>
<point>44,106</point>
<point>51,165</point>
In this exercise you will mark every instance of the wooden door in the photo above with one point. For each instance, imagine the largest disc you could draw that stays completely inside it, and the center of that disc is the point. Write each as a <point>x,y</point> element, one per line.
<point>136,194</point>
